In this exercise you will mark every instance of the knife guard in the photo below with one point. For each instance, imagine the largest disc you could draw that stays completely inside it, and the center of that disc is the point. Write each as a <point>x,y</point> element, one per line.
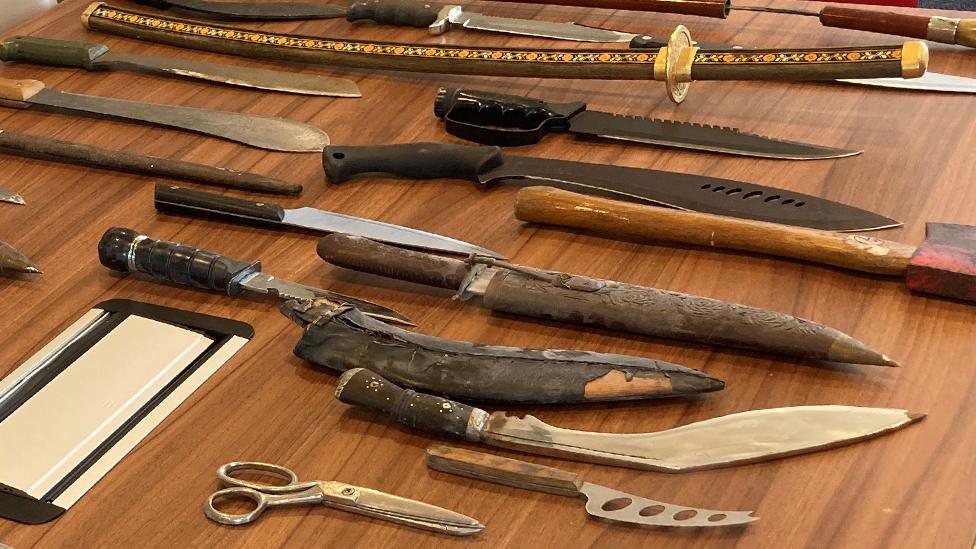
<point>345,339</point>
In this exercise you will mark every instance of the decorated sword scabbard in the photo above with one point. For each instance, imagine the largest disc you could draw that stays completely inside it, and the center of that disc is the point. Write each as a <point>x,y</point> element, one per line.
<point>678,64</point>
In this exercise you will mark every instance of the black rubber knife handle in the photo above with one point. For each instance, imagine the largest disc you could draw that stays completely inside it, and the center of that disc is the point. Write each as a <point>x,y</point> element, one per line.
<point>367,256</point>
<point>413,160</point>
<point>174,199</point>
<point>125,250</point>
<point>500,119</point>
<point>362,387</point>
<point>402,13</point>
<point>47,51</point>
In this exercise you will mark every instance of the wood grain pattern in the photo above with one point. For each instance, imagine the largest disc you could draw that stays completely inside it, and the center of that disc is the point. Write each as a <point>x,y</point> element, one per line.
<point>905,490</point>
<point>900,24</point>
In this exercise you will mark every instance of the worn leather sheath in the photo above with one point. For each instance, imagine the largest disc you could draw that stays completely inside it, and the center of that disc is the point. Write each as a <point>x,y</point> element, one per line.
<point>344,338</point>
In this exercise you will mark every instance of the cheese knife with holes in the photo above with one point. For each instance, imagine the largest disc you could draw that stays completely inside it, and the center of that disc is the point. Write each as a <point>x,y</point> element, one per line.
<point>601,502</point>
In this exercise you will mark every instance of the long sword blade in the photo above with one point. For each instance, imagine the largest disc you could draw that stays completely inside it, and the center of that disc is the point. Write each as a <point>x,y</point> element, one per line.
<point>701,137</point>
<point>930,81</point>
<point>617,506</point>
<point>266,132</point>
<point>746,437</point>
<point>291,82</point>
<point>688,192</point>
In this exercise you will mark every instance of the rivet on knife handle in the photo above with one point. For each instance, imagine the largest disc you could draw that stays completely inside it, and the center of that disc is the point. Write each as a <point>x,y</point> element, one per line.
<point>415,160</point>
<point>429,413</point>
<point>60,53</point>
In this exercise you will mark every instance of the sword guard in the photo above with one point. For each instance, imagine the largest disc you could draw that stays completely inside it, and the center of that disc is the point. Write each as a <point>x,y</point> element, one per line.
<point>677,57</point>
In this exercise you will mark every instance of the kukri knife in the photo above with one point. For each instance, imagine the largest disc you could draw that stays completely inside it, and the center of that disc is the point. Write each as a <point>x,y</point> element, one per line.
<point>98,57</point>
<point>487,165</point>
<point>735,439</point>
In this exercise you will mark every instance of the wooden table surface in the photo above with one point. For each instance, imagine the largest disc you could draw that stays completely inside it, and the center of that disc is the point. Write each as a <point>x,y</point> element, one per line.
<point>908,489</point>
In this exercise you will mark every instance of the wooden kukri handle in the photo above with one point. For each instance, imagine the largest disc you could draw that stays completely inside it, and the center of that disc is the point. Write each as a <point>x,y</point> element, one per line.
<point>861,253</point>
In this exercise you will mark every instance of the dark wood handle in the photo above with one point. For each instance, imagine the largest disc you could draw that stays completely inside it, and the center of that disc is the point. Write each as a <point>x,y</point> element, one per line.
<point>705,8</point>
<point>937,29</point>
<point>125,250</point>
<point>413,160</point>
<point>860,253</point>
<point>402,13</point>
<point>501,470</point>
<point>100,157</point>
<point>171,198</point>
<point>436,415</point>
<point>364,255</point>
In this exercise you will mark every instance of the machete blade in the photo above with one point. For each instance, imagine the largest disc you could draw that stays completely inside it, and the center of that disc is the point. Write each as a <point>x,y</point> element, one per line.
<point>688,192</point>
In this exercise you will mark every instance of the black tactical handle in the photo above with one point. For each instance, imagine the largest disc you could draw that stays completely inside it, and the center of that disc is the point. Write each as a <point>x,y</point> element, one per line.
<point>440,416</point>
<point>413,160</point>
<point>48,51</point>
<point>402,13</point>
<point>366,256</point>
<point>125,250</point>
<point>171,198</point>
<point>499,119</point>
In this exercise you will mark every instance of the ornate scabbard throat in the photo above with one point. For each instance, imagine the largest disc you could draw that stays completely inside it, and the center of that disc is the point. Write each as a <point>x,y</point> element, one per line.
<point>677,64</point>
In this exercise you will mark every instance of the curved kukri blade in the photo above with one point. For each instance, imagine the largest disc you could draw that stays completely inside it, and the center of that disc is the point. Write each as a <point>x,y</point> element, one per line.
<point>746,437</point>
<point>688,192</point>
<point>617,506</point>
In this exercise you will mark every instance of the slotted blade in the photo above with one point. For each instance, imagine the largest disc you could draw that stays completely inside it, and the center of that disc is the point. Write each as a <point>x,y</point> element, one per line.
<point>688,192</point>
<point>746,437</point>
<point>414,513</point>
<point>277,134</point>
<point>700,137</point>
<point>292,82</point>
<point>267,284</point>
<point>332,222</point>
<point>544,29</point>
<point>617,506</point>
<point>930,81</point>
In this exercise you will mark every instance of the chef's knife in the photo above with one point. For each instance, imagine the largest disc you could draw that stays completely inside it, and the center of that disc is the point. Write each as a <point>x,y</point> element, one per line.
<point>745,437</point>
<point>487,165</point>
<point>170,198</point>
<point>95,57</point>
<point>266,132</point>
<point>512,120</point>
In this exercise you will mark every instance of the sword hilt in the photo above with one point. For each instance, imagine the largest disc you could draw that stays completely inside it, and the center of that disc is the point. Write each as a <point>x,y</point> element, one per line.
<point>125,250</point>
<point>436,415</point>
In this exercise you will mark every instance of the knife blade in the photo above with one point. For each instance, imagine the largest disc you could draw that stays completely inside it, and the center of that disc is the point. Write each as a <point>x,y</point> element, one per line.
<point>735,439</point>
<point>601,502</point>
<point>6,195</point>
<point>488,165</point>
<point>173,199</point>
<point>265,132</point>
<point>125,250</point>
<point>93,57</point>
<point>12,261</point>
<point>511,120</point>
<point>257,11</point>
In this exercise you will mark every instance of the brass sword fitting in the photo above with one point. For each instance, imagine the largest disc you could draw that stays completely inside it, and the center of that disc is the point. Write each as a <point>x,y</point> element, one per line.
<point>673,63</point>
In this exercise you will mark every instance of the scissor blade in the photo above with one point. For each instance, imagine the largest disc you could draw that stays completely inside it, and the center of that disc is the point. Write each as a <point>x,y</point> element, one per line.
<point>414,513</point>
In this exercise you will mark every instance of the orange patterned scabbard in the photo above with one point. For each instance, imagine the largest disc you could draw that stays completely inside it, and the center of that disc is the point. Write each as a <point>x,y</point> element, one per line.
<point>602,61</point>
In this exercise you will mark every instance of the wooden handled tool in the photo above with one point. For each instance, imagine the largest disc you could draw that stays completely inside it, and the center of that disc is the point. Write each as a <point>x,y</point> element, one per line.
<point>943,265</point>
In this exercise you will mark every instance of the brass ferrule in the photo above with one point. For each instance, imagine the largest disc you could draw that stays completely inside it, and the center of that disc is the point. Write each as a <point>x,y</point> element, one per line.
<point>966,33</point>
<point>681,70</point>
<point>914,59</point>
<point>88,11</point>
<point>661,65</point>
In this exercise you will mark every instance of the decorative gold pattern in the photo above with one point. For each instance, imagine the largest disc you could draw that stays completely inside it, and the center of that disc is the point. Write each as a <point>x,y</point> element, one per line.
<point>798,57</point>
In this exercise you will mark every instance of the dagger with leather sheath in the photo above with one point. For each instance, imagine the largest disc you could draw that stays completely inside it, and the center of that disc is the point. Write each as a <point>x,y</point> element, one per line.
<point>512,120</point>
<point>677,64</point>
<point>12,261</point>
<point>342,338</point>
<point>601,502</point>
<point>278,134</point>
<point>488,165</point>
<point>97,57</point>
<point>553,295</point>
<point>945,264</point>
<point>32,146</point>
<point>935,28</point>
<point>745,437</point>
<point>172,199</point>
<point>125,250</point>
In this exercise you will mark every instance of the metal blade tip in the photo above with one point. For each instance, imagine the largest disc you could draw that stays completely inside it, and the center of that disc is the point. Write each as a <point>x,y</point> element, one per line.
<point>13,199</point>
<point>915,416</point>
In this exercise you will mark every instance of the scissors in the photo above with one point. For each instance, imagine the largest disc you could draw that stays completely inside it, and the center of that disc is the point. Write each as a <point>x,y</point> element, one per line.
<point>354,499</point>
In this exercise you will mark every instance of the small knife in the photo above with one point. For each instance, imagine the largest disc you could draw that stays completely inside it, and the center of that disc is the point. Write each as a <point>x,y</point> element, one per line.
<point>266,132</point>
<point>170,198</point>
<point>745,437</point>
<point>94,57</point>
<point>125,251</point>
<point>512,120</point>
<point>487,165</point>
<point>601,502</point>
<point>12,261</point>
